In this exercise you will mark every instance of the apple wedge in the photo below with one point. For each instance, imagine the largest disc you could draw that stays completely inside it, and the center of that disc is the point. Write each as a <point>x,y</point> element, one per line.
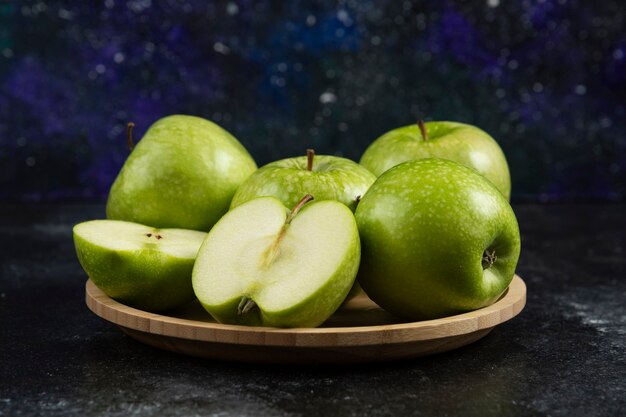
<point>137,265</point>
<point>265,265</point>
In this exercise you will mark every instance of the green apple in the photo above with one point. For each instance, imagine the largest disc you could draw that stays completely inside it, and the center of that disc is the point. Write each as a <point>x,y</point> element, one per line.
<point>458,142</point>
<point>182,174</point>
<point>437,238</point>
<point>265,265</point>
<point>324,177</point>
<point>137,265</point>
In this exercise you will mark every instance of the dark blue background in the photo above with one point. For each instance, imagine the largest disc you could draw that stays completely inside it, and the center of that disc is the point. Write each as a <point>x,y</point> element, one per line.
<point>546,78</point>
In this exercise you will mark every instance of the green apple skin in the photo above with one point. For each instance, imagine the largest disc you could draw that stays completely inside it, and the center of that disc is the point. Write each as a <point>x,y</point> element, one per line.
<point>140,275</point>
<point>458,142</point>
<point>311,310</point>
<point>332,178</point>
<point>182,174</point>
<point>425,226</point>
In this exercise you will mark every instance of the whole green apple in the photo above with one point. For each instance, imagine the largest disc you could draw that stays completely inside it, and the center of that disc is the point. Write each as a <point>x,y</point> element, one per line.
<point>182,174</point>
<point>267,266</point>
<point>138,265</point>
<point>437,239</point>
<point>324,177</point>
<point>458,142</point>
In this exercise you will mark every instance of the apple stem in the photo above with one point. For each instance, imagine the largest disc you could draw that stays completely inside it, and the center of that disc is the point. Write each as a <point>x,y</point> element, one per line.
<point>129,135</point>
<point>272,251</point>
<point>246,304</point>
<point>297,208</point>
<point>357,200</point>
<point>310,154</point>
<point>422,126</point>
<point>489,258</point>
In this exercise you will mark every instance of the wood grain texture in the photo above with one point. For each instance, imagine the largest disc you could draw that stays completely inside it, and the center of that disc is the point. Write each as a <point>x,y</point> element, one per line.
<point>359,331</point>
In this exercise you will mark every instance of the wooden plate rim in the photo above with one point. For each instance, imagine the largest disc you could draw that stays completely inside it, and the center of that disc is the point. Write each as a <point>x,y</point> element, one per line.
<point>507,307</point>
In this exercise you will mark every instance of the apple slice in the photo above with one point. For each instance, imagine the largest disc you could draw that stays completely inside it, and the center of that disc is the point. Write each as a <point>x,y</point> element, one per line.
<point>138,265</point>
<point>265,265</point>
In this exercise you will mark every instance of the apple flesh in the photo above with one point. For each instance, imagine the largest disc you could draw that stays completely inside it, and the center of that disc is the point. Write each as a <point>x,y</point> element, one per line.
<point>263,265</point>
<point>182,174</point>
<point>324,177</point>
<point>437,239</point>
<point>458,142</point>
<point>137,265</point>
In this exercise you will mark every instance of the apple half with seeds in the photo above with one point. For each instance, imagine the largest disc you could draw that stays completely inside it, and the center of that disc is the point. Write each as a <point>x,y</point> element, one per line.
<point>137,265</point>
<point>265,265</point>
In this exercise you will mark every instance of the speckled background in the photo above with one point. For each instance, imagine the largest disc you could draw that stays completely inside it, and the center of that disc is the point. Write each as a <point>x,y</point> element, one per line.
<point>546,78</point>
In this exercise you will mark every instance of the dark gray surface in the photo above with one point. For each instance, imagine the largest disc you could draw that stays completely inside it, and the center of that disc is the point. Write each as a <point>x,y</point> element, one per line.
<point>564,355</point>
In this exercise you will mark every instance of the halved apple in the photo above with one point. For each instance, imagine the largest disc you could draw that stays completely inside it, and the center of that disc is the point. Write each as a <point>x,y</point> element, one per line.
<point>138,265</point>
<point>263,264</point>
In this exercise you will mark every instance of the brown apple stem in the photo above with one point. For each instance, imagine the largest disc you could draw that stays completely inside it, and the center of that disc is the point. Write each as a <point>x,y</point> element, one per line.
<point>246,304</point>
<point>357,200</point>
<point>274,249</point>
<point>489,258</point>
<point>310,154</point>
<point>297,208</point>
<point>129,135</point>
<point>422,126</point>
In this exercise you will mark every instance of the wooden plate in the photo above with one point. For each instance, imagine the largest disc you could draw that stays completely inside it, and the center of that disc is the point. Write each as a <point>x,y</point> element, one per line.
<point>359,331</point>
